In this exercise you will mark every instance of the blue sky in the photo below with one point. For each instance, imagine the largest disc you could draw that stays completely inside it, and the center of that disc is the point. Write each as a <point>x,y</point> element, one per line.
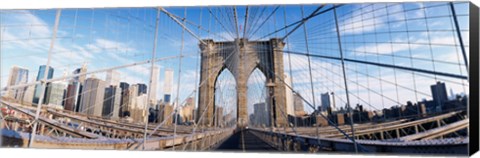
<point>391,33</point>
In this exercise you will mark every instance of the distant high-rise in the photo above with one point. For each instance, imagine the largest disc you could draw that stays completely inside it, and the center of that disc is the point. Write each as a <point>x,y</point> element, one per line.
<point>219,116</point>
<point>17,76</point>
<point>439,94</point>
<point>289,95</point>
<point>132,97</point>
<point>137,108</point>
<point>142,89</point>
<point>260,114</point>
<point>28,96</point>
<point>164,114</point>
<point>72,96</point>
<point>74,90</point>
<point>298,105</point>
<point>38,87</point>
<point>167,87</point>
<point>190,101</point>
<point>125,98</point>
<point>54,94</point>
<point>112,78</point>
<point>188,109</point>
<point>80,78</point>
<point>327,99</point>
<point>153,86</point>
<point>91,102</point>
<point>111,104</point>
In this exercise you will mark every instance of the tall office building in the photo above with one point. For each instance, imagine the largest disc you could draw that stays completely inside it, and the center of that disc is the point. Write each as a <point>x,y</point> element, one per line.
<point>219,117</point>
<point>298,105</point>
<point>80,78</point>
<point>153,86</point>
<point>142,89</point>
<point>74,90</point>
<point>28,96</point>
<point>260,114</point>
<point>165,114</point>
<point>188,109</point>
<point>289,96</point>
<point>17,76</point>
<point>439,94</point>
<point>168,84</point>
<point>38,88</point>
<point>190,101</point>
<point>111,104</point>
<point>132,97</point>
<point>137,108</point>
<point>112,78</point>
<point>327,99</point>
<point>125,98</point>
<point>72,96</point>
<point>54,94</point>
<point>91,102</point>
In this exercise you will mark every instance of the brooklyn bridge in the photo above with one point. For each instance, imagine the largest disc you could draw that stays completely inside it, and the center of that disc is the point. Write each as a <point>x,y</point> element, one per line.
<point>358,78</point>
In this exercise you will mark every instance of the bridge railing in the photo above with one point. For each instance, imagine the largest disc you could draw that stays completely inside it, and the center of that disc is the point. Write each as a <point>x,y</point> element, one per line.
<point>200,141</point>
<point>302,143</point>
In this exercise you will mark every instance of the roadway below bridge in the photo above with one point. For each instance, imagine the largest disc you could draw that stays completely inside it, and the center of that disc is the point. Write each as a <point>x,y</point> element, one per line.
<point>245,140</point>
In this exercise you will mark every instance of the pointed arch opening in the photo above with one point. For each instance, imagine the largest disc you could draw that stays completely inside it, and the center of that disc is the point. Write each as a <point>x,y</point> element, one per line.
<point>258,106</point>
<point>225,100</point>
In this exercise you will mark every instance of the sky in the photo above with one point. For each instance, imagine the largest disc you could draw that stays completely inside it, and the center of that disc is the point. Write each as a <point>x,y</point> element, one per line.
<point>414,35</point>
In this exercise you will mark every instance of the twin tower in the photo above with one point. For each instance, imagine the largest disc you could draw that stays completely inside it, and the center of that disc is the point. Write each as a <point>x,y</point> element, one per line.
<point>241,57</point>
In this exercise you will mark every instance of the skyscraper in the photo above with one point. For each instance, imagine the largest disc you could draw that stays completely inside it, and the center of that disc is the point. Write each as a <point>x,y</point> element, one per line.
<point>439,94</point>
<point>80,78</point>
<point>260,114</point>
<point>219,116</point>
<point>40,76</point>
<point>54,94</point>
<point>72,97</point>
<point>17,76</point>
<point>153,86</point>
<point>28,96</point>
<point>113,78</point>
<point>91,102</point>
<point>74,89</point>
<point>167,87</point>
<point>132,97</point>
<point>138,111</point>
<point>289,96</point>
<point>142,89</point>
<point>188,109</point>
<point>327,99</point>
<point>298,104</point>
<point>125,98</point>
<point>111,104</point>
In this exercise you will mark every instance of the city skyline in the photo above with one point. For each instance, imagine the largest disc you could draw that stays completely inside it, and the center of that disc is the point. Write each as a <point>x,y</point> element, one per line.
<point>362,77</point>
<point>350,25</point>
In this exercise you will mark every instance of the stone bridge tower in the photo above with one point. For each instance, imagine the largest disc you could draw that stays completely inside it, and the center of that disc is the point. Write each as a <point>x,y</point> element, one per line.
<point>241,57</point>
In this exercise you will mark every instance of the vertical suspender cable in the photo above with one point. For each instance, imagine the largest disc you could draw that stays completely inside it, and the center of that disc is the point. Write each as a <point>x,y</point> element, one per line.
<point>45,74</point>
<point>310,71</point>
<point>289,58</point>
<point>345,79</point>
<point>175,109</point>
<point>151,78</point>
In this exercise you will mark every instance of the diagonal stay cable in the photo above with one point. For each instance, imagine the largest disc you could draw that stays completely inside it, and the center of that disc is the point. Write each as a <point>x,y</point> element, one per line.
<point>261,24</point>
<point>181,24</point>
<point>221,24</point>
<point>297,22</point>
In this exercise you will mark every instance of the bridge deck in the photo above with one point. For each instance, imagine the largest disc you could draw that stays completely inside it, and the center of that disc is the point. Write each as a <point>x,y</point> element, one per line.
<point>245,141</point>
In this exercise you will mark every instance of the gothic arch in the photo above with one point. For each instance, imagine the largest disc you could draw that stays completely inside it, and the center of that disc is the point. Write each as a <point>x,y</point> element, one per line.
<point>241,57</point>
